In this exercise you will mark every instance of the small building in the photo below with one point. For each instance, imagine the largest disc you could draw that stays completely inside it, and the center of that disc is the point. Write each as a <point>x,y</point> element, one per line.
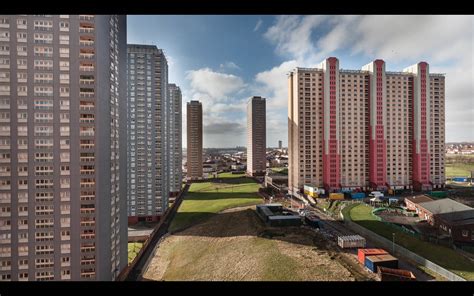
<point>279,182</point>
<point>276,215</point>
<point>428,210</point>
<point>238,167</point>
<point>457,225</point>
<point>413,201</point>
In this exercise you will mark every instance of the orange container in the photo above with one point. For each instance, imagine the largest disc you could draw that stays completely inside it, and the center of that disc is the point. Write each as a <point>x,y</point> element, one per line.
<point>362,253</point>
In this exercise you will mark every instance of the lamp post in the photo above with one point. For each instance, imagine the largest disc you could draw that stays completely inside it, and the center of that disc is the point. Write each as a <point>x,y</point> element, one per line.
<point>393,243</point>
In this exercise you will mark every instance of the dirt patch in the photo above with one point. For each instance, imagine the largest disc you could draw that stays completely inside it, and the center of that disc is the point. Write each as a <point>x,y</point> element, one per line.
<point>235,245</point>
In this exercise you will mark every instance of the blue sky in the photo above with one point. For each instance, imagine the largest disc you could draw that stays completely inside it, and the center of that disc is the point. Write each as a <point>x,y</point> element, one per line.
<point>223,60</point>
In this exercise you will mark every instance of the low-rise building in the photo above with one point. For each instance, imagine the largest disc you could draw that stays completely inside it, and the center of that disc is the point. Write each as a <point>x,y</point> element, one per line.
<point>431,209</point>
<point>449,217</point>
<point>238,167</point>
<point>413,201</point>
<point>279,182</point>
<point>458,225</point>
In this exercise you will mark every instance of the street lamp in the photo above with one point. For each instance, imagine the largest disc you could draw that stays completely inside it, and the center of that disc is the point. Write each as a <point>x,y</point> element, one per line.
<point>393,243</point>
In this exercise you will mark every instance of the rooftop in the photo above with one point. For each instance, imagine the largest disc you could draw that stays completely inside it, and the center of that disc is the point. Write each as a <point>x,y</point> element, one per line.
<point>459,218</point>
<point>445,205</point>
<point>419,199</point>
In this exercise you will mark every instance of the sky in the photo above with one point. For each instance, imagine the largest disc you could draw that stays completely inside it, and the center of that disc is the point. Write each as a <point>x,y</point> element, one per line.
<point>224,60</point>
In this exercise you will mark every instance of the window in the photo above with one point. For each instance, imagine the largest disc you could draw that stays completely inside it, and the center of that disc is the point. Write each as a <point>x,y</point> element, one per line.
<point>64,52</point>
<point>4,36</point>
<point>4,49</point>
<point>21,23</point>
<point>43,51</point>
<point>22,50</point>
<point>21,36</point>
<point>64,39</point>
<point>4,63</point>
<point>41,38</point>
<point>64,26</point>
<point>4,23</point>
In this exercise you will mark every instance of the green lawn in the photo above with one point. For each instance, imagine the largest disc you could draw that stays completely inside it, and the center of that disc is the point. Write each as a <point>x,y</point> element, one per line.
<point>208,198</point>
<point>283,171</point>
<point>446,257</point>
<point>459,169</point>
<point>230,175</point>
<point>133,249</point>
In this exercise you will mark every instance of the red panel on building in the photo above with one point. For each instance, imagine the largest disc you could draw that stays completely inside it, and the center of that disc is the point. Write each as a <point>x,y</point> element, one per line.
<point>331,158</point>
<point>421,160</point>
<point>378,145</point>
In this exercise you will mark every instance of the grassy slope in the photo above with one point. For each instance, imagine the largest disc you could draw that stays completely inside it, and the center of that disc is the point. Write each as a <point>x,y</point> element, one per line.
<point>194,259</point>
<point>441,255</point>
<point>206,199</point>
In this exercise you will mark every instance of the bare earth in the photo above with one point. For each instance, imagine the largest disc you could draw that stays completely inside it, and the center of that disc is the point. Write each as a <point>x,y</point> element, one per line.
<point>235,245</point>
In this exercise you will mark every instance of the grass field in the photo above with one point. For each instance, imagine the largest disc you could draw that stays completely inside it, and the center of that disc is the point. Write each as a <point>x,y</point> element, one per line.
<point>133,249</point>
<point>230,175</point>
<point>283,171</point>
<point>205,199</point>
<point>441,255</point>
<point>235,245</point>
<point>459,169</point>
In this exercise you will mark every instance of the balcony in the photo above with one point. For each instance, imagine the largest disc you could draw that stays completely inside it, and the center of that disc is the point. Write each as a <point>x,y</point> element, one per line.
<point>86,41</point>
<point>87,55</point>
<point>87,94</point>
<point>86,29</point>
<point>86,68</point>
<point>86,17</point>
<point>87,81</point>
<point>87,133</point>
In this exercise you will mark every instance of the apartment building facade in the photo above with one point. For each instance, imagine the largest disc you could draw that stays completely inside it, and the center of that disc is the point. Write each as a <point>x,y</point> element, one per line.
<point>176,147</point>
<point>256,136</point>
<point>148,118</point>
<point>62,147</point>
<point>366,129</point>
<point>194,140</point>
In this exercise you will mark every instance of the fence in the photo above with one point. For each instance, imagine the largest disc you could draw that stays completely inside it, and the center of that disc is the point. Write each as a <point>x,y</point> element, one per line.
<point>134,269</point>
<point>402,252</point>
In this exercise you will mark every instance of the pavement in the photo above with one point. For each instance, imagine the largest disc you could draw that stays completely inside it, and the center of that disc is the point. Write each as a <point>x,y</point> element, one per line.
<point>139,232</point>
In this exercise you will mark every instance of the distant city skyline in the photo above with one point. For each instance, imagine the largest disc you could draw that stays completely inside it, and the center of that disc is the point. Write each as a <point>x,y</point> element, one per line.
<point>259,51</point>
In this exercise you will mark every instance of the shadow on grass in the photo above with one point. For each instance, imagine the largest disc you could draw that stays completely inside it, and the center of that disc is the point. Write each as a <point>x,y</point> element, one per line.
<point>242,223</point>
<point>219,195</point>
<point>235,180</point>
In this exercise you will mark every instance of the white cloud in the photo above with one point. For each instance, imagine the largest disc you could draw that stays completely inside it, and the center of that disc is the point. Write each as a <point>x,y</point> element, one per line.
<point>216,85</point>
<point>273,84</point>
<point>292,34</point>
<point>258,25</point>
<point>229,65</point>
